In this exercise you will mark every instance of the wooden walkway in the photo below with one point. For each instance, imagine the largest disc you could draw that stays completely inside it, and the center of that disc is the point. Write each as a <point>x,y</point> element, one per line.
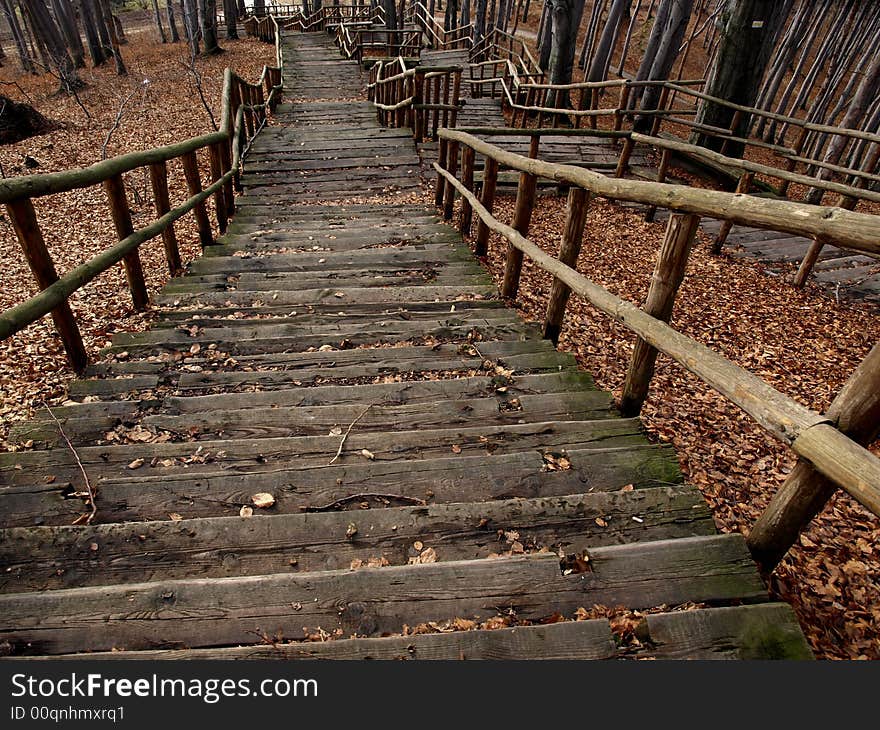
<point>334,430</point>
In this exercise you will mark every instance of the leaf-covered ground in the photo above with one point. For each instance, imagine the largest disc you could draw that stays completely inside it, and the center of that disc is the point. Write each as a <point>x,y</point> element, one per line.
<point>157,103</point>
<point>801,342</point>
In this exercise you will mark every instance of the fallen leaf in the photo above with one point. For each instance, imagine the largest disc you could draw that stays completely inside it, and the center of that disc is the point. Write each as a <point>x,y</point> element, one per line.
<point>136,464</point>
<point>246,511</point>
<point>263,500</point>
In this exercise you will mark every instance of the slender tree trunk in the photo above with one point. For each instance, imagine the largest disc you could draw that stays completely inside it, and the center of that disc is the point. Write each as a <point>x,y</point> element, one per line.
<point>545,46</point>
<point>603,52</point>
<point>49,35</point>
<point>97,13</point>
<point>104,6</point>
<point>566,16</point>
<point>866,93</point>
<point>67,25</point>
<point>191,21</point>
<point>479,20</point>
<point>208,22</point>
<point>664,59</point>
<point>90,30</point>
<point>162,36</point>
<point>24,58</point>
<point>259,7</point>
<point>465,18</point>
<point>230,15</point>
<point>750,31</point>
<point>172,24</point>
<point>628,38</point>
<point>654,39</point>
<point>390,14</point>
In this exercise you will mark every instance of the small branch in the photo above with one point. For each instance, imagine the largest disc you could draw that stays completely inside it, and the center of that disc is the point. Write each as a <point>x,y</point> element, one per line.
<point>345,435</point>
<point>365,495</point>
<point>116,123</point>
<point>91,492</point>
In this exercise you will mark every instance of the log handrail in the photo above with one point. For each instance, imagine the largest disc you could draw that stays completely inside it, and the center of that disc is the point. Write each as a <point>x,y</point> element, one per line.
<point>811,435</point>
<point>244,113</point>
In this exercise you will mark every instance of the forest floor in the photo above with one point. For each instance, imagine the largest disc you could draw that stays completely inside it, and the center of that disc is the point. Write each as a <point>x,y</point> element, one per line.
<point>157,103</point>
<point>801,342</point>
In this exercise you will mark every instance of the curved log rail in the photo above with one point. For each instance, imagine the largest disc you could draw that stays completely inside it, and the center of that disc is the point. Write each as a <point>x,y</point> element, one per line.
<point>438,37</point>
<point>422,98</point>
<point>827,454</point>
<point>245,107</point>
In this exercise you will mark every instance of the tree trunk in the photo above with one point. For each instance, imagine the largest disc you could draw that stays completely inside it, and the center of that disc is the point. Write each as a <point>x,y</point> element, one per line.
<point>162,36</point>
<point>230,15</point>
<point>479,20</point>
<point>260,7</point>
<point>24,58</point>
<point>49,35</point>
<point>628,38</point>
<point>750,31</point>
<point>566,16</point>
<point>172,25</point>
<point>67,25</point>
<point>603,52</point>
<point>664,59</point>
<point>390,14</point>
<point>114,36</point>
<point>451,15</point>
<point>208,24</point>
<point>90,29</point>
<point>97,13</point>
<point>545,42</point>
<point>865,94</point>
<point>191,22</point>
<point>653,43</point>
<point>465,18</point>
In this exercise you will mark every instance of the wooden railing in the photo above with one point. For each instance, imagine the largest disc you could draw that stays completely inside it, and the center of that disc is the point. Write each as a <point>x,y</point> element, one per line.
<point>829,457</point>
<point>423,98</point>
<point>244,112</point>
<point>437,36</point>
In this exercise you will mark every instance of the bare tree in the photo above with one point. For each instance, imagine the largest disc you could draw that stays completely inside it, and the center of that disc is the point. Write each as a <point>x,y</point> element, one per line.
<point>207,10</point>
<point>602,56</point>
<point>172,25</point>
<point>566,17</point>
<point>230,16</point>
<point>97,52</point>
<point>24,58</point>
<point>159,21</point>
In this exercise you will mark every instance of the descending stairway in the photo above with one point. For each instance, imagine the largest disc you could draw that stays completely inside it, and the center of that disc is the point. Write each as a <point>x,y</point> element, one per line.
<point>420,454</point>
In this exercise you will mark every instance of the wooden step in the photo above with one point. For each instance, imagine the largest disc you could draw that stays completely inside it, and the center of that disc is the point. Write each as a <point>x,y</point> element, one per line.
<point>370,601</point>
<point>44,558</point>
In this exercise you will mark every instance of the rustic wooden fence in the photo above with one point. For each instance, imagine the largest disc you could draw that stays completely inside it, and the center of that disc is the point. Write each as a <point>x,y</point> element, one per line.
<point>830,445</point>
<point>245,107</point>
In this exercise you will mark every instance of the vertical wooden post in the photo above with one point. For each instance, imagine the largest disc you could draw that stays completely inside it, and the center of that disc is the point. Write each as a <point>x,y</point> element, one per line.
<point>456,93</point>
<point>487,198</point>
<point>114,187</point>
<point>226,166</point>
<point>661,177</point>
<point>159,182</point>
<point>734,123</point>
<point>467,177</point>
<point>194,185</point>
<point>658,118</point>
<point>856,412</point>
<point>441,181</point>
<point>742,187</point>
<point>791,164</point>
<point>27,229</point>
<point>522,216</point>
<point>622,103</point>
<point>623,161</point>
<point>668,275</point>
<point>569,250</point>
<point>418,100</point>
<point>435,119</point>
<point>451,167</point>
<point>219,196</point>
<point>812,254</point>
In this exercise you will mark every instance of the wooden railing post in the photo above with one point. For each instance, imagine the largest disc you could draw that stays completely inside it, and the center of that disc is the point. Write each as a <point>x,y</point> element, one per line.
<point>569,250</point>
<point>856,412</point>
<point>452,168</point>
<point>134,272</point>
<point>487,198</point>
<point>194,185</point>
<point>522,216</point>
<point>226,166</point>
<point>791,165</point>
<point>441,182</point>
<point>159,183</point>
<point>27,229</point>
<point>742,187</point>
<point>623,160</point>
<point>418,100</point>
<point>467,177</point>
<point>662,169</point>
<point>219,195</point>
<point>668,275</point>
<point>658,118</point>
<point>812,254</point>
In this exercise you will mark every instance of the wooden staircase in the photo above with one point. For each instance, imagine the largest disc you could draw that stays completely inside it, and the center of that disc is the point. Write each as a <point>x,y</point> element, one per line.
<point>335,441</point>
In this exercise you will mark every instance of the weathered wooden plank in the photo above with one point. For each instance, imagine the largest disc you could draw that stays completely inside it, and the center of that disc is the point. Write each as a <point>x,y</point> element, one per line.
<point>562,640</point>
<point>453,478</point>
<point>372,601</point>
<point>768,631</point>
<point>44,558</point>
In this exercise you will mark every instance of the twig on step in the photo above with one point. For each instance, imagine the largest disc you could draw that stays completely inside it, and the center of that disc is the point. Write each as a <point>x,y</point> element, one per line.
<point>365,495</point>
<point>89,491</point>
<point>348,431</point>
